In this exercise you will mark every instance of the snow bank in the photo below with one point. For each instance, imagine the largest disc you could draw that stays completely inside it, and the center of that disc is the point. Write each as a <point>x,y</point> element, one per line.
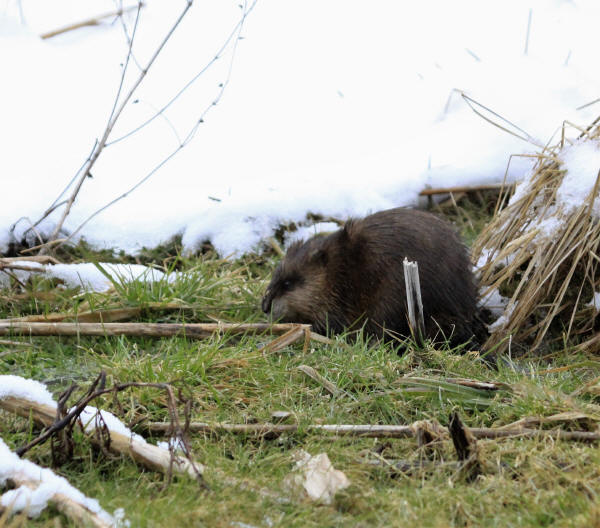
<point>333,108</point>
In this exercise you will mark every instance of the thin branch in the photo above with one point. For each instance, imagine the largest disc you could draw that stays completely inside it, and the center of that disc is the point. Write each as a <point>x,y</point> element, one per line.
<point>183,144</point>
<point>115,114</point>
<point>371,431</point>
<point>234,33</point>
<point>94,21</point>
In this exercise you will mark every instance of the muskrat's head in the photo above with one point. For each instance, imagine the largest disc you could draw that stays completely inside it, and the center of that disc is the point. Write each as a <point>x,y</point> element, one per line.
<point>298,291</point>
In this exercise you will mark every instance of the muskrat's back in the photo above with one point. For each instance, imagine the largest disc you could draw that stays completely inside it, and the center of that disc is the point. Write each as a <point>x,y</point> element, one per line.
<point>355,277</point>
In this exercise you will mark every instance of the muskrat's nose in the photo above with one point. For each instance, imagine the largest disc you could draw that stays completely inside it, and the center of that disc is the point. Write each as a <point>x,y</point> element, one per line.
<point>266,302</point>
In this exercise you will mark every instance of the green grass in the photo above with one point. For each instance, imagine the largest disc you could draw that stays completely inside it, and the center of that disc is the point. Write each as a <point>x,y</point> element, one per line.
<point>525,482</point>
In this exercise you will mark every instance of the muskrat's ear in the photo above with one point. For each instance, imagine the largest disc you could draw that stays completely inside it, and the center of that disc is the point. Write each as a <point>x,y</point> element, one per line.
<point>318,256</point>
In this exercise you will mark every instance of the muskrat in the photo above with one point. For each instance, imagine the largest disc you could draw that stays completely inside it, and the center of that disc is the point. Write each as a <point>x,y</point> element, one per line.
<point>354,278</point>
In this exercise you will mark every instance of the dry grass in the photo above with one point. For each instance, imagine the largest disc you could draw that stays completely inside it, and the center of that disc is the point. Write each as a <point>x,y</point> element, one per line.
<point>543,256</point>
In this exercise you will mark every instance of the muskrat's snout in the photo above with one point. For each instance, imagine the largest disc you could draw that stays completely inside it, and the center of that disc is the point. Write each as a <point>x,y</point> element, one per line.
<point>267,301</point>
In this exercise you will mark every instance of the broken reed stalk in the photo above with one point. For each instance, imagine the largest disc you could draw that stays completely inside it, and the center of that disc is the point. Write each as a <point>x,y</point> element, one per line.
<point>192,330</point>
<point>288,338</point>
<point>330,387</point>
<point>94,21</point>
<point>148,455</point>
<point>414,302</point>
<point>466,448</point>
<point>370,431</point>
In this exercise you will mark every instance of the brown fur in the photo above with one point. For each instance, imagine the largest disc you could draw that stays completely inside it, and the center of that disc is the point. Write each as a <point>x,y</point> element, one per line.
<point>355,277</point>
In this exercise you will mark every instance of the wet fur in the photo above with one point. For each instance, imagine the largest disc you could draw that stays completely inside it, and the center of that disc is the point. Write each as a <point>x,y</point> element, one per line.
<point>355,277</point>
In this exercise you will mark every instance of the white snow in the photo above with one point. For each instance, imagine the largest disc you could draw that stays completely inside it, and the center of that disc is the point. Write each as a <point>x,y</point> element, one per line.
<point>494,302</point>
<point>582,164</point>
<point>26,389</point>
<point>35,501</point>
<point>174,443</point>
<point>91,417</point>
<point>305,232</point>
<point>503,320</point>
<point>595,302</point>
<point>335,108</point>
<point>86,275</point>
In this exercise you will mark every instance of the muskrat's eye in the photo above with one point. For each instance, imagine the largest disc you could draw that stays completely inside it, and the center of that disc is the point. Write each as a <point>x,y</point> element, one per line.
<point>290,282</point>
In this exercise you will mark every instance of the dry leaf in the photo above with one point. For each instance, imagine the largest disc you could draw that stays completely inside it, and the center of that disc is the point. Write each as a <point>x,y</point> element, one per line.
<point>316,477</point>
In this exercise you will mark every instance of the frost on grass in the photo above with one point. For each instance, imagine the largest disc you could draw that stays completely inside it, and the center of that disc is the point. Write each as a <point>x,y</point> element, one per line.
<point>47,486</point>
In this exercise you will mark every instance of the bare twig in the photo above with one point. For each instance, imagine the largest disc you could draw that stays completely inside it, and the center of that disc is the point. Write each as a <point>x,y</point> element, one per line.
<point>116,111</point>
<point>15,343</point>
<point>40,259</point>
<point>192,131</point>
<point>94,21</point>
<point>291,336</point>
<point>20,267</point>
<point>110,315</point>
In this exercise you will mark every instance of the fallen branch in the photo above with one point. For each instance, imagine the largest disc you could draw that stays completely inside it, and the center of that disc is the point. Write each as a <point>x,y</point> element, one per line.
<point>151,456</point>
<point>192,330</point>
<point>88,22</point>
<point>28,476</point>
<point>370,431</point>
